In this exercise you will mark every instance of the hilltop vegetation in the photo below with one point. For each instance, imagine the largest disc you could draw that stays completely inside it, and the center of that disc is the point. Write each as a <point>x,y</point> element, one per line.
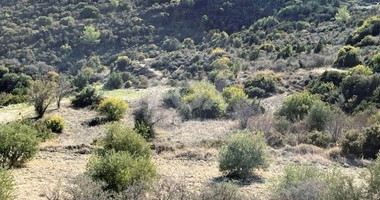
<point>157,81</point>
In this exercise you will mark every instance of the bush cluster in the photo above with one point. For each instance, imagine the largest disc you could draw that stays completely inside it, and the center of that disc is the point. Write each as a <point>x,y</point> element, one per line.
<point>87,97</point>
<point>124,161</point>
<point>297,106</point>
<point>347,57</point>
<point>18,143</point>
<point>261,85</point>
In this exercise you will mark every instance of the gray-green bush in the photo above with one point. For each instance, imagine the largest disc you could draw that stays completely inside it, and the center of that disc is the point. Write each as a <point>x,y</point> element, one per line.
<point>243,153</point>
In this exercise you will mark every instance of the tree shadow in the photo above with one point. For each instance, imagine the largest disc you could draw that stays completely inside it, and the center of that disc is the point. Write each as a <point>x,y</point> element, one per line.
<point>241,182</point>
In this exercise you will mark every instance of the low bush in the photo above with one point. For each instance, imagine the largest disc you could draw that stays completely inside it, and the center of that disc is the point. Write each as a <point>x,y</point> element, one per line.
<point>120,170</point>
<point>296,106</point>
<point>371,145</point>
<point>203,101</point>
<point>318,116</point>
<point>123,138</point>
<point>242,153</point>
<point>18,143</point>
<point>123,63</point>
<point>375,62</point>
<point>6,185</point>
<point>318,139</point>
<point>113,108</point>
<point>261,85</point>
<point>172,99</point>
<point>55,123</point>
<point>308,182</point>
<point>88,97</point>
<point>115,81</point>
<point>347,57</point>
<point>275,139</point>
<point>370,26</point>
<point>352,144</point>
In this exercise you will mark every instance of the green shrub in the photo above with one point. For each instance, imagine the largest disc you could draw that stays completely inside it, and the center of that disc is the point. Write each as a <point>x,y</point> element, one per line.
<point>120,170</point>
<point>360,70</point>
<point>45,21</point>
<point>123,63</point>
<point>286,52</point>
<point>347,57</point>
<point>55,123</point>
<point>89,12</point>
<point>355,89</point>
<point>375,61</point>
<point>318,116</point>
<point>296,106</point>
<point>352,144</point>
<point>242,153</point>
<point>172,99</point>
<point>80,81</point>
<point>6,185</point>
<point>222,63</point>
<point>144,120</point>
<point>114,81</point>
<point>275,139</point>
<point>171,44</point>
<point>233,95</point>
<point>343,15</point>
<point>90,35</point>
<point>88,97</point>
<point>261,85</point>
<point>43,132</point>
<point>308,182</point>
<point>371,145</point>
<point>318,139</point>
<point>370,26</point>
<point>332,76</point>
<point>123,138</point>
<point>203,101</point>
<point>18,143</point>
<point>113,108</point>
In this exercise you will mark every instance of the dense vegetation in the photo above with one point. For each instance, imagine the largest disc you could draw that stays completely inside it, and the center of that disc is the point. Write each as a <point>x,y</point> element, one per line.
<point>221,60</point>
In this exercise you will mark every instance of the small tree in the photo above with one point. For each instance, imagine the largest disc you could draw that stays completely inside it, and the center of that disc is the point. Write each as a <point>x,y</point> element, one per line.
<point>296,106</point>
<point>63,89</point>
<point>42,94</point>
<point>343,15</point>
<point>90,35</point>
<point>348,56</point>
<point>243,153</point>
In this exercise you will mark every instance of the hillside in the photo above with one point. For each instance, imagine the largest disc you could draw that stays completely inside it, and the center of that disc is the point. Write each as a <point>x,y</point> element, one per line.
<point>189,99</point>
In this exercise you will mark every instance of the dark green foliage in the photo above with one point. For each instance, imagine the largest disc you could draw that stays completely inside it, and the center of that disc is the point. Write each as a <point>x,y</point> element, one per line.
<point>261,85</point>
<point>297,106</point>
<point>16,84</point>
<point>89,12</point>
<point>114,81</point>
<point>371,145</point>
<point>243,153</point>
<point>80,81</point>
<point>45,21</point>
<point>6,185</point>
<point>332,76</point>
<point>286,52</point>
<point>18,143</point>
<point>318,139</point>
<point>347,57</point>
<point>123,138</point>
<point>3,71</point>
<point>121,169</point>
<point>275,139</point>
<point>171,44</point>
<point>123,63</point>
<point>87,97</point>
<point>352,144</point>
<point>319,115</point>
<point>355,89</point>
